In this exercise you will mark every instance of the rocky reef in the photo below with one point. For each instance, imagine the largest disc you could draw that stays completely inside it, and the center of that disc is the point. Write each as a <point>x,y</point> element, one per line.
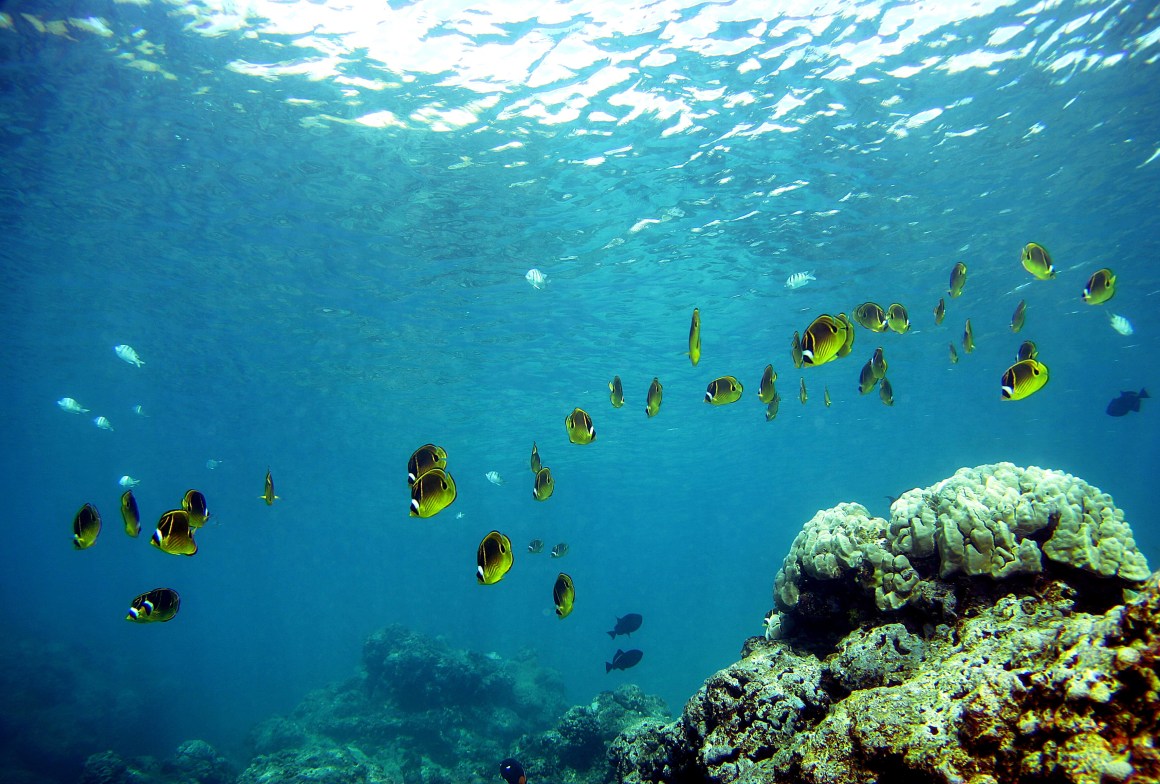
<point>1000,627</point>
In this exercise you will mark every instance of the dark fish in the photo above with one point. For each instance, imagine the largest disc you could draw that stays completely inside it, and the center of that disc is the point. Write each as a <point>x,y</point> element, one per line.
<point>622,660</point>
<point>886,392</point>
<point>536,546</point>
<point>940,312</point>
<point>771,409</point>
<point>616,392</point>
<point>86,526</point>
<point>423,460</point>
<point>579,427</point>
<point>493,559</point>
<point>1019,316</point>
<point>878,363</point>
<point>1027,350</point>
<point>157,606</point>
<point>871,316</point>
<point>968,337</point>
<point>866,378</point>
<point>826,396</point>
<point>560,550</point>
<point>535,459</point>
<point>626,625</point>
<point>512,771</point>
<point>563,595</point>
<point>802,396</point>
<point>173,534</point>
<point>268,492</point>
<point>796,350</point>
<point>194,503</point>
<point>1127,401</point>
<point>432,492</point>
<point>130,514</point>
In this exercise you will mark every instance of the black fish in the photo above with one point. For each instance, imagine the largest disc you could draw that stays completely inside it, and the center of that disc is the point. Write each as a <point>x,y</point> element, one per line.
<point>1127,401</point>
<point>626,625</point>
<point>623,660</point>
<point>512,771</point>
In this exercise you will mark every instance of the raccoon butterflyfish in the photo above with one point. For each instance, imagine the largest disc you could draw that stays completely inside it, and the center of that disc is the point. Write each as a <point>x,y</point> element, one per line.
<point>86,526</point>
<point>695,337</point>
<point>867,380</point>
<point>848,344</point>
<point>268,493</point>
<point>720,391</point>
<point>626,625</point>
<point>579,427</point>
<point>940,311</point>
<point>194,503</point>
<point>560,550</point>
<point>771,409</point>
<point>1027,350</point>
<point>536,546</point>
<point>886,392</point>
<point>156,606</point>
<point>767,390</point>
<point>130,514</point>
<point>802,396</point>
<point>545,485</point>
<point>1037,261</point>
<point>423,460</point>
<point>512,771</point>
<point>953,354</point>
<point>958,279</point>
<point>878,363</point>
<point>796,349</point>
<point>173,534</point>
<point>622,660</point>
<point>1100,288</point>
<point>968,338</point>
<point>616,392</point>
<point>897,319</point>
<point>563,595</point>
<point>826,396</point>
<point>432,492</point>
<point>871,316</point>
<point>822,340</point>
<point>1018,317</point>
<point>534,462</point>
<point>1024,378</point>
<point>493,559</point>
<point>653,402</point>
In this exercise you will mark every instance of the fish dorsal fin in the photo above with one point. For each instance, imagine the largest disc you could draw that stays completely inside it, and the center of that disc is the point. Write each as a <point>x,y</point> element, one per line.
<point>618,653</point>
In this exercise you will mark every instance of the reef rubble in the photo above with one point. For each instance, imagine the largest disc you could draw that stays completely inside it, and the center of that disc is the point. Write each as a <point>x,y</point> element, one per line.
<point>1002,626</point>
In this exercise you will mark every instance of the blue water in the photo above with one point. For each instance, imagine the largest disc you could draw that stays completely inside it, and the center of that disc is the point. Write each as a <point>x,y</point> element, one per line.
<point>314,226</point>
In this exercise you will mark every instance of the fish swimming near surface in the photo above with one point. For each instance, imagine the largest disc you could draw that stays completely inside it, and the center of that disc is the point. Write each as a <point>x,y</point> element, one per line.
<point>968,337</point>
<point>1024,379</point>
<point>127,354</point>
<point>493,558</point>
<point>512,771</point>
<point>156,606</point>
<point>579,427</point>
<point>796,350</point>
<point>268,493</point>
<point>494,477</point>
<point>822,340</point>
<point>766,390</point>
<point>656,393</point>
<point>536,278</point>
<point>423,460</point>
<point>802,396</point>
<point>1037,261</point>
<point>771,409</point>
<point>432,492</point>
<point>897,318</point>
<point>128,481</point>
<point>799,279</point>
<point>1126,402</point>
<point>544,485</point>
<point>1120,324</point>
<point>622,660</point>
<point>940,311</point>
<point>1019,316</point>
<point>871,316</point>
<point>130,514</point>
<point>1027,350</point>
<point>536,546</point>
<point>958,280</point>
<point>626,625</point>
<point>563,595</point>
<point>616,392</point>
<point>560,550</point>
<point>953,354</point>
<point>534,461</point>
<point>867,379</point>
<point>695,337</point>
<point>86,527</point>
<point>1100,288</point>
<point>195,506</point>
<point>720,391</point>
<point>173,534</point>
<point>139,411</point>
<point>103,423</point>
<point>886,391</point>
<point>71,406</point>
<point>878,363</point>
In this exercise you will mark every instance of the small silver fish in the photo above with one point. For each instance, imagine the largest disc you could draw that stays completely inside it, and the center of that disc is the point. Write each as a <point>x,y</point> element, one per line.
<point>536,278</point>
<point>128,354</point>
<point>139,411</point>
<point>103,423</point>
<point>211,464</point>
<point>799,279</point>
<point>1119,324</point>
<point>128,481</point>
<point>71,406</point>
<point>494,477</point>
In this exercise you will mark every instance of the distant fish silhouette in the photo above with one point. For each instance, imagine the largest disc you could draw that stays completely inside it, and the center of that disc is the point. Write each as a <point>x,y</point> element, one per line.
<point>626,625</point>
<point>622,660</point>
<point>1126,402</point>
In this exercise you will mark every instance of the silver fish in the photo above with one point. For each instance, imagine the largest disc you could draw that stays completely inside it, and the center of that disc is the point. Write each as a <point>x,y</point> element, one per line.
<point>71,406</point>
<point>128,354</point>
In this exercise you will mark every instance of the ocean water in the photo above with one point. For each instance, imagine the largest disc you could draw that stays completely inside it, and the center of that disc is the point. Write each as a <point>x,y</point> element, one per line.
<point>313,223</point>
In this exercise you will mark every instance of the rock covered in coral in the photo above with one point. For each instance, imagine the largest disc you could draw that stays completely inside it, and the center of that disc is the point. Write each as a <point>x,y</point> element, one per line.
<point>108,768</point>
<point>1044,676</point>
<point>196,762</point>
<point>334,765</point>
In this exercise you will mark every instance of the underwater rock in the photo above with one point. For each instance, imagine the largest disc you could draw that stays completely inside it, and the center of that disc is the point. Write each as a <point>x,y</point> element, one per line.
<point>196,762</point>
<point>107,768</point>
<point>984,674</point>
<point>336,765</point>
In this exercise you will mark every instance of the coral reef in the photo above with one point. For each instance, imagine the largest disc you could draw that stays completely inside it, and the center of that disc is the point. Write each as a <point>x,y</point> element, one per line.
<point>997,629</point>
<point>194,762</point>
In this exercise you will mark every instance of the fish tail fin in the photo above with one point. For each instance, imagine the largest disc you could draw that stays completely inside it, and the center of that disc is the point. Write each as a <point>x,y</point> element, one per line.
<point>607,667</point>
<point>612,634</point>
<point>1144,392</point>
